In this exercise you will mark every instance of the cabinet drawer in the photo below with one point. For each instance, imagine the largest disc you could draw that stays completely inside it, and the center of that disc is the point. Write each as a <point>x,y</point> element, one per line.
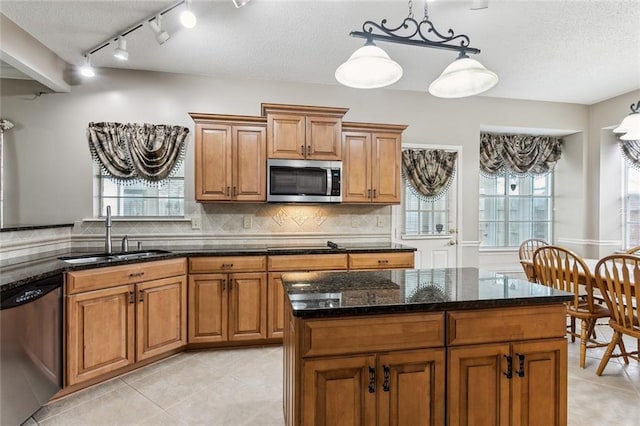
<point>505,324</point>
<point>308,262</point>
<point>381,333</point>
<point>198,265</point>
<point>111,276</point>
<point>381,260</point>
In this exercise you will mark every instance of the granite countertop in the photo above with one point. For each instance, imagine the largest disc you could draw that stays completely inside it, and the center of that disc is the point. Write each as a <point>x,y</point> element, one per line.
<point>334,294</point>
<point>23,270</point>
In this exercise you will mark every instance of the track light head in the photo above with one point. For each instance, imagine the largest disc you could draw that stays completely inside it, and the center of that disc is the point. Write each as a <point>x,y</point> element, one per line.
<point>86,69</point>
<point>121,51</point>
<point>240,3</point>
<point>187,17</point>
<point>156,26</point>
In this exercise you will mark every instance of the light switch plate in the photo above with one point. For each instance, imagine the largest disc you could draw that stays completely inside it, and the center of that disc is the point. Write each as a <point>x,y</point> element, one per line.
<point>246,222</point>
<point>196,223</point>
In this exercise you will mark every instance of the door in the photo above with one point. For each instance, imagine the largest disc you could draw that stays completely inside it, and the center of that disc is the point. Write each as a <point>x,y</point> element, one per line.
<point>161,316</point>
<point>276,301</point>
<point>431,227</point>
<point>208,302</point>
<point>323,136</point>
<point>249,163</point>
<point>386,172</point>
<point>213,162</point>
<point>339,391</point>
<point>477,386</point>
<point>411,388</point>
<point>356,167</point>
<point>247,306</point>
<point>100,332</point>
<point>539,384</point>
<point>285,136</point>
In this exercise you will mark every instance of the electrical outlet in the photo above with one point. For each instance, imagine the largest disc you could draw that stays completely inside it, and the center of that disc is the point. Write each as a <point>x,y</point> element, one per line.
<point>196,223</point>
<point>246,222</point>
<point>381,221</point>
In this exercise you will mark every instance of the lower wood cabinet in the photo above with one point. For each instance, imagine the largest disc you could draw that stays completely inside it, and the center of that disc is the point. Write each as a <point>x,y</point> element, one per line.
<point>395,388</point>
<point>111,328</point>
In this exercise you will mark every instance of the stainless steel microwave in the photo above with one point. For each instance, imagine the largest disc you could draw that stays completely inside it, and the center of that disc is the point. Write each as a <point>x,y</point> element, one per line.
<point>304,181</point>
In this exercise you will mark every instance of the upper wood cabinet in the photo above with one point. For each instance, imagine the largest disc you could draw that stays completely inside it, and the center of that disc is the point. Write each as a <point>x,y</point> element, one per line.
<point>230,162</point>
<point>372,163</point>
<point>303,132</point>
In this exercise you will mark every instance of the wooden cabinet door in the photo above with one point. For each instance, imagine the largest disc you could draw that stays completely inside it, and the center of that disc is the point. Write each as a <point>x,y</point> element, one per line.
<point>477,387</point>
<point>339,391</point>
<point>247,306</point>
<point>386,169</point>
<point>249,163</point>
<point>275,306</point>
<point>323,138</point>
<point>356,167</point>
<point>161,317</point>
<point>213,143</point>
<point>286,136</point>
<point>100,328</point>
<point>411,388</point>
<point>539,392</point>
<point>208,302</point>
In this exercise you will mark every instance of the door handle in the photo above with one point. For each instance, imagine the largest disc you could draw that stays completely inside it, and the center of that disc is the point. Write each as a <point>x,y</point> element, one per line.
<point>375,195</point>
<point>230,284</point>
<point>140,296</point>
<point>132,297</point>
<point>372,380</point>
<point>509,372</point>
<point>368,193</point>
<point>520,371</point>
<point>228,189</point>
<point>309,151</point>
<point>385,383</point>
<point>302,150</point>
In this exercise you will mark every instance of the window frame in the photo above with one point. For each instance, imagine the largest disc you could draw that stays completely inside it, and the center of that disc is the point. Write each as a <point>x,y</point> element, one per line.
<point>627,242</point>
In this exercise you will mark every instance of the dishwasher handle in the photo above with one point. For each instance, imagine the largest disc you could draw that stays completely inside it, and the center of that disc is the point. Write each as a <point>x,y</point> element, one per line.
<point>29,292</point>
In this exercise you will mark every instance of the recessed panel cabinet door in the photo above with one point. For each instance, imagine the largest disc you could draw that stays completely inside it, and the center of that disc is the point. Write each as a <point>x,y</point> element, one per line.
<point>161,316</point>
<point>323,136</point>
<point>539,384</point>
<point>478,389</point>
<point>208,308</point>
<point>100,332</point>
<point>247,306</point>
<point>249,163</point>
<point>386,168</point>
<point>213,162</point>
<point>276,301</point>
<point>356,167</point>
<point>286,136</point>
<point>411,388</point>
<point>339,391</point>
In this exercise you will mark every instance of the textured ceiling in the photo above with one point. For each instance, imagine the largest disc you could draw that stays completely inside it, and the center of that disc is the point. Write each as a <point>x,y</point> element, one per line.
<point>563,51</point>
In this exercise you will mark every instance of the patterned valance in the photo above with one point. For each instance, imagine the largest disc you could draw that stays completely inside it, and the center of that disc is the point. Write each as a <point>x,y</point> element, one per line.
<point>631,152</point>
<point>131,152</point>
<point>429,172</point>
<point>518,154</point>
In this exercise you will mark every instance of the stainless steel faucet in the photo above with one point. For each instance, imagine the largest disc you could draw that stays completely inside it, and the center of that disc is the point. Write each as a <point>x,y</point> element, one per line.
<point>107,234</point>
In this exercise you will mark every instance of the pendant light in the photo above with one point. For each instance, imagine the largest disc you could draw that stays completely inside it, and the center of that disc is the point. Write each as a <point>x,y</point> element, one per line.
<point>630,126</point>
<point>463,77</point>
<point>369,67</point>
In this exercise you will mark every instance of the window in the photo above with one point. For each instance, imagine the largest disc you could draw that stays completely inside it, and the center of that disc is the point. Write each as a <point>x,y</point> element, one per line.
<point>140,200</point>
<point>515,208</point>
<point>632,206</point>
<point>425,217</point>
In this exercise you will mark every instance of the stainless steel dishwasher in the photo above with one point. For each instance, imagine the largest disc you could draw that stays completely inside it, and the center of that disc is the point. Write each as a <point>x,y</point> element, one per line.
<point>30,348</point>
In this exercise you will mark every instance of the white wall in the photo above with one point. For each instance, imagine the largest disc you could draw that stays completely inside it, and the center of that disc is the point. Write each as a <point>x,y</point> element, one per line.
<point>49,164</point>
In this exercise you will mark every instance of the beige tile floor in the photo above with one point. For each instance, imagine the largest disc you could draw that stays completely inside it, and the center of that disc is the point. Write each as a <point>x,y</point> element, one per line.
<point>244,387</point>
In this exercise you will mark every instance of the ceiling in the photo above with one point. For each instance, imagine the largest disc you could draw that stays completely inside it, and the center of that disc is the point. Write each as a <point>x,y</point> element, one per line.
<point>562,51</point>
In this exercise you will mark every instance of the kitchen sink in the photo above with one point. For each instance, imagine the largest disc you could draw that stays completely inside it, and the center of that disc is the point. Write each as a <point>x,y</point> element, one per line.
<point>103,257</point>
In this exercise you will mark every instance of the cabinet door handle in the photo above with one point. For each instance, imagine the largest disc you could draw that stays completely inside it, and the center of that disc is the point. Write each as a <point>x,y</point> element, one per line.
<point>368,193</point>
<point>509,372</point>
<point>224,285</point>
<point>385,383</point>
<point>230,284</point>
<point>136,274</point>
<point>227,265</point>
<point>374,194</point>
<point>301,149</point>
<point>372,380</point>
<point>140,296</point>
<point>382,261</point>
<point>228,189</point>
<point>132,297</point>
<point>309,152</point>
<point>235,191</point>
<point>520,371</point>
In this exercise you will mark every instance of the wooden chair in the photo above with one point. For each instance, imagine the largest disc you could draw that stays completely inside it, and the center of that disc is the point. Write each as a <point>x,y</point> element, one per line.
<point>525,253</point>
<point>562,269</point>
<point>634,250</point>
<point>618,277</point>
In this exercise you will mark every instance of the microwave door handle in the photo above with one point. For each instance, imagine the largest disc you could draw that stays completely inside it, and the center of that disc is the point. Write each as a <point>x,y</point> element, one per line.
<point>329,181</point>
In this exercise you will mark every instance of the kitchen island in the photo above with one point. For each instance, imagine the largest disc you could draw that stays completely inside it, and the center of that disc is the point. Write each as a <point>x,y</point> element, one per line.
<point>423,347</point>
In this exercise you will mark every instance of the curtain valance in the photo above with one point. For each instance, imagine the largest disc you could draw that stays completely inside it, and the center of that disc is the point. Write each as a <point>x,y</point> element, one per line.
<point>134,152</point>
<point>429,172</point>
<point>631,152</point>
<point>518,154</point>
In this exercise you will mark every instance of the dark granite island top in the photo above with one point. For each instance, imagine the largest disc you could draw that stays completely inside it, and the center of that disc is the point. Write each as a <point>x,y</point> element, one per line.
<point>329,294</point>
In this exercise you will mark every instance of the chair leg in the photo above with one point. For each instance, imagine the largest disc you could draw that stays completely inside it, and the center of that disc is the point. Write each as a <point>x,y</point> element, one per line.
<point>607,354</point>
<point>573,329</point>
<point>623,350</point>
<point>584,335</point>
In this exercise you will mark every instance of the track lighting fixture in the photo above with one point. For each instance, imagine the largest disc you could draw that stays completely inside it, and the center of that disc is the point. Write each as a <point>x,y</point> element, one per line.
<point>86,69</point>
<point>240,3</point>
<point>121,51</point>
<point>156,26</point>
<point>187,18</point>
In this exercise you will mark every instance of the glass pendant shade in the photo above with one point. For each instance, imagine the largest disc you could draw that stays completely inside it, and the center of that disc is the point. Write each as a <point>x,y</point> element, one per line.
<point>630,122</point>
<point>369,68</point>
<point>632,134</point>
<point>463,77</point>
